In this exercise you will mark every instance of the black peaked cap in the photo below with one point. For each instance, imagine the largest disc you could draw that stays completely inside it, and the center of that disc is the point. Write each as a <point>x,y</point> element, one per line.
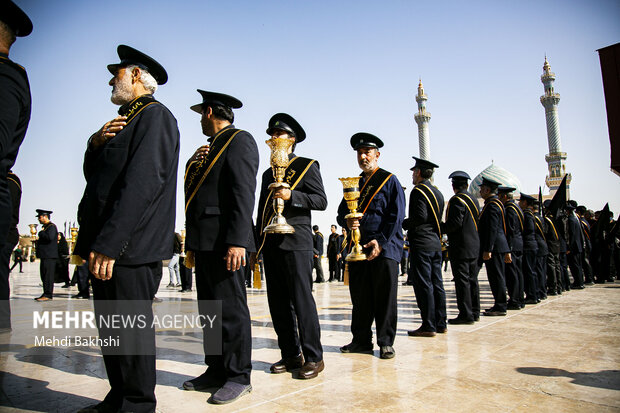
<point>423,164</point>
<point>130,56</point>
<point>15,18</point>
<point>365,140</point>
<point>217,99</point>
<point>285,122</point>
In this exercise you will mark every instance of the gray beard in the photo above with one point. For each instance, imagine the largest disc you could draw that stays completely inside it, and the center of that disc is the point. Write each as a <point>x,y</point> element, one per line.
<point>121,93</point>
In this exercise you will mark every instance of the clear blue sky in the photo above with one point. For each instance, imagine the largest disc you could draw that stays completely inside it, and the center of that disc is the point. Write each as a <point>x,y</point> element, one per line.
<point>339,67</point>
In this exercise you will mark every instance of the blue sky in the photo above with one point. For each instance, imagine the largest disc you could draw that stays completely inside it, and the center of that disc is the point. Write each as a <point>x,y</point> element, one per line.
<point>338,67</point>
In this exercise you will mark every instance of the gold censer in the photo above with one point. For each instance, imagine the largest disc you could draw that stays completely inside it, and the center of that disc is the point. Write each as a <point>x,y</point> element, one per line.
<point>351,190</point>
<point>279,161</point>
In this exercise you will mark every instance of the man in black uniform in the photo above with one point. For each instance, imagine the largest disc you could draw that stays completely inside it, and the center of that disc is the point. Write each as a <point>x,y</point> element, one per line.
<point>553,257</point>
<point>514,226</point>
<point>541,255</point>
<point>47,252</point>
<point>574,245</point>
<point>126,219</point>
<point>317,247</point>
<point>461,226</point>
<point>494,248</point>
<point>288,257</point>
<point>530,249</point>
<point>373,283</point>
<point>424,234</point>
<point>14,118</point>
<point>332,253</point>
<point>587,245</point>
<point>220,181</point>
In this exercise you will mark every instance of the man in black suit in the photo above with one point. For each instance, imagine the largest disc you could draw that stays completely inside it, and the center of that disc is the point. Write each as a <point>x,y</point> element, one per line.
<point>288,257</point>
<point>424,234</point>
<point>530,249</point>
<point>332,253</point>
<point>514,226</point>
<point>588,274</point>
<point>553,257</point>
<point>14,118</point>
<point>342,253</point>
<point>464,248</point>
<point>541,254</point>
<point>373,282</point>
<point>126,219</point>
<point>494,250</point>
<point>47,252</point>
<point>220,181</point>
<point>574,245</point>
<point>317,247</point>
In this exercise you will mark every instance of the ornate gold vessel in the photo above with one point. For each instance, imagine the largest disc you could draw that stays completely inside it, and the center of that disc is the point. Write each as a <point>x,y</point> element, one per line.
<point>279,161</point>
<point>351,190</point>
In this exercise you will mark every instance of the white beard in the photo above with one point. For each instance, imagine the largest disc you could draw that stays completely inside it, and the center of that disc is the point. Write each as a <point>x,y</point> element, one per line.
<point>122,92</point>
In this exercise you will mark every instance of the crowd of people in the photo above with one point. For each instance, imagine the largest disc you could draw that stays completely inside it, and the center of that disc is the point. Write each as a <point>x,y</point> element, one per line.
<point>130,168</point>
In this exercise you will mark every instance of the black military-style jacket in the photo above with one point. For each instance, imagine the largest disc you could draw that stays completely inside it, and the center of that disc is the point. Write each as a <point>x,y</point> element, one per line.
<point>422,221</point>
<point>308,195</point>
<point>14,118</point>
<point>575,237</point>
<point>552,236</point>
<point>529,231</point>
<point>15,188</point>
<point>514,224</point>
<point>127,211</point>
<point>491,227</point>
<point>332,245</point>
<point>461,226</point>
<point>587,233</point>
<point>317,243</point>
<point>47,244</point>
<point>541,241</point>
<point>220,215</point>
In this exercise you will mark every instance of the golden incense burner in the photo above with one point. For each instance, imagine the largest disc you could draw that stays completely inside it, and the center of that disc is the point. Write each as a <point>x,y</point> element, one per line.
<point>279,161</point>
<point>351,190</point>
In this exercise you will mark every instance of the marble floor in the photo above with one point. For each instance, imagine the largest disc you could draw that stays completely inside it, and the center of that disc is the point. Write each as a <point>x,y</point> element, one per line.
<point>561,355</point>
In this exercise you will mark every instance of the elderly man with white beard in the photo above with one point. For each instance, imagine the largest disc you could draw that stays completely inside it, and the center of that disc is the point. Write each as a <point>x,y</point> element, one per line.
<point>126,218</point>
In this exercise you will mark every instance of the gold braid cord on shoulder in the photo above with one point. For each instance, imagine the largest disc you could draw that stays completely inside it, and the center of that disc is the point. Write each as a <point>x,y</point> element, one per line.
<point>435,211</point>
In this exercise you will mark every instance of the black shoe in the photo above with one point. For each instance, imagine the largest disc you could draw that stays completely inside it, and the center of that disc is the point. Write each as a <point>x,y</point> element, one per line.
<point>230,392</point>
<point>102,407</point>
<point>65,286</point>
<point>311,369</point>
<point>287,364</point>
<point>513,306</point>
<point>43,298</point>
<point>531,301</point>
<point>494,313</point>
<point>203,382</point>
<point>357,348</point>
<point>85,297</point>
<point>459,320</point>
<point>421,333</point>
<point>386,352</point>
<point>578,287</point>
<point>476,317</point>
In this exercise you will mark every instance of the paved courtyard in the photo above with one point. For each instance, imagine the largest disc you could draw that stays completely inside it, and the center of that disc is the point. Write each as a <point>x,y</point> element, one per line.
<point>561,355</point>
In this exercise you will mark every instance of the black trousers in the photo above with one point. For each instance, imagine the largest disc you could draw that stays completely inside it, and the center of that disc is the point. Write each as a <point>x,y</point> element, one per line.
<point>514,278</point>
<point>17,262</point>
<point>497,280</point>
<point>333,268</point>
<point>5,288</point>
<point>47,269</point>
<point>541,277</point>
<point>373,287</point>
<point>465,272</point>
<point>588,274</point>
<point>215,282</point>
<point>530,275</point>
<point>574,263</point>
<point>291,304</point>
<point>131,375</point>
<point>553,273</point>
<point>319,269</point>
<point>186,275</point>
<point>341,267</point>
<point>82,279</point>
<point>428,287</point>
<point>564,271</point>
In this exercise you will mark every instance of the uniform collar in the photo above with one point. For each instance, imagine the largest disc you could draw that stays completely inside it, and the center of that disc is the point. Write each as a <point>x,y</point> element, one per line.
<point>220,132</point>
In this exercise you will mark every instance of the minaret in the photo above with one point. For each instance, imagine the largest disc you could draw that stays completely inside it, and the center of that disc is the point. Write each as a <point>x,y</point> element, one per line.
<point>422,118</point>
<point>555,158</point>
